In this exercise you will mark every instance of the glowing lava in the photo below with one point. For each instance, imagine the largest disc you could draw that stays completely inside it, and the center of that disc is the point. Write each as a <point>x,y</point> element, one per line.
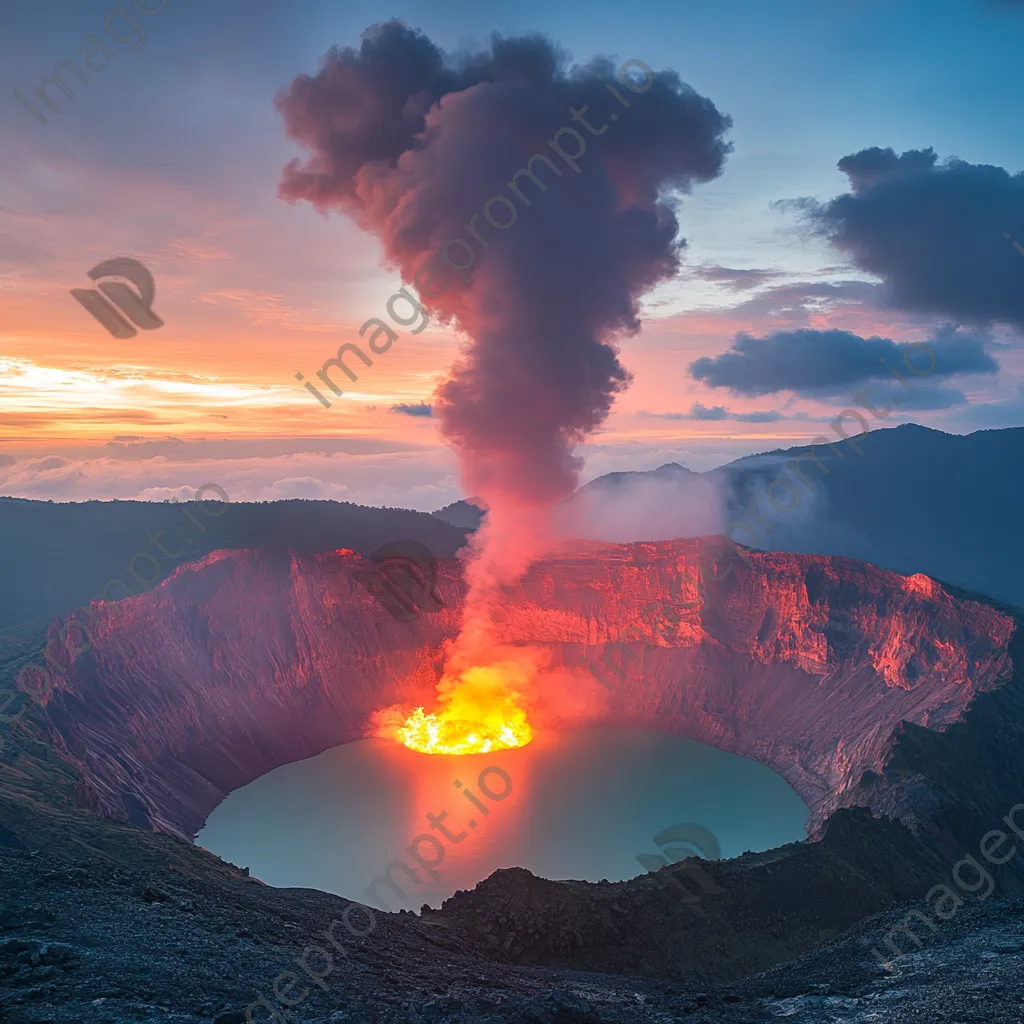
<point>480,712</point>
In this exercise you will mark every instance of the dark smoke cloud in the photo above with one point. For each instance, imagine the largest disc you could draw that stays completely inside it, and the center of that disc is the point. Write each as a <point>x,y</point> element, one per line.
<point>412,144</point>
<point>816,363</point>
<point>933,232</point>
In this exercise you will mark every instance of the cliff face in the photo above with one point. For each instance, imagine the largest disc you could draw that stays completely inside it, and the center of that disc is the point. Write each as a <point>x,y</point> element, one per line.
<point>250,659</point>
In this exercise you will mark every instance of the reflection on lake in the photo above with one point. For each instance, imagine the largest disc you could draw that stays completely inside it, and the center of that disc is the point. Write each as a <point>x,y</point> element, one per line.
<point>591,804</point>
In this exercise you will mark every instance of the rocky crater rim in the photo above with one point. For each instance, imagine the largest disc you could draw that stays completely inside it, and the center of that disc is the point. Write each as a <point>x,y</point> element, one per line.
<point>250,659</point>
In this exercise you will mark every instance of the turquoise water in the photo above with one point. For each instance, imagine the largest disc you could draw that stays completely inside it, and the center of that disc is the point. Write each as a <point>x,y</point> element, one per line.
<point>584,804</point>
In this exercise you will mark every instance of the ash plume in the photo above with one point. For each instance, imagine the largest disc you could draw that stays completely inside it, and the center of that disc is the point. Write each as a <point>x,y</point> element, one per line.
<point>532,229</point>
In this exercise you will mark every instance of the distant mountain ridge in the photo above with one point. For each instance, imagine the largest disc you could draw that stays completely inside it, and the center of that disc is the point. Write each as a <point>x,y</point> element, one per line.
<point>907,498</point>
<point>669,471</point>
<point>468,515</point>
<point>58,556</point>
<point>948,510</point>
<point>910,499</point>
<point>464,514</point>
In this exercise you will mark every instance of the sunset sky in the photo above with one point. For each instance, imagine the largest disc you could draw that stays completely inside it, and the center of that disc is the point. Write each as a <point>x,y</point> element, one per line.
<point>173,154</point>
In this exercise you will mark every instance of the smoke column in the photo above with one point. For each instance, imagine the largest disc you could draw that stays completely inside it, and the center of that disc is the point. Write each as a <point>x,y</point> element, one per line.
<point>541,274</point>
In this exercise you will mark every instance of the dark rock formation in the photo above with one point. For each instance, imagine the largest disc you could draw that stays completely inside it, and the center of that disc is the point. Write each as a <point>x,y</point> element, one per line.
<point>86,939</point>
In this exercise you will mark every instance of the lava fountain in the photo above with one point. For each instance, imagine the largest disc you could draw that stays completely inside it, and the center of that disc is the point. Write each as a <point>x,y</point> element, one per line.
<point>418,147</point>
<point>479,712</point>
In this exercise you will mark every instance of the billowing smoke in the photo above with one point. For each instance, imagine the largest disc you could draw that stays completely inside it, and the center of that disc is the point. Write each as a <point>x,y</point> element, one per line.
<point>423,151</point>
<point>530,203</point>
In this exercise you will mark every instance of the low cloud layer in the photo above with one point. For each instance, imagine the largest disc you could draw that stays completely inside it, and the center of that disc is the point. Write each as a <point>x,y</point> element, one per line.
<point>363,471</point>
<point>818,363</point>
<point>934,232</point>
<point>423,479</point>
<point>738,280</point>
<point>645,507</point>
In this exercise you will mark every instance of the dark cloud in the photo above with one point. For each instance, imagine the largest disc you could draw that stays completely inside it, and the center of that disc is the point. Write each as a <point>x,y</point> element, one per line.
<point>414,409</point>
<point>933,232</point>
<point>412,145</point>
<point>816,363</point>
<point>719,412</point>
<point>739,280</point>
<point>768,416</point>
<point>703,412</point>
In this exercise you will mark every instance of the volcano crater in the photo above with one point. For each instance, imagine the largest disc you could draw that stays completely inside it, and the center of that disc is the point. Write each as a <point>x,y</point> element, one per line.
<point>249,660</point>
<point>859,686</point>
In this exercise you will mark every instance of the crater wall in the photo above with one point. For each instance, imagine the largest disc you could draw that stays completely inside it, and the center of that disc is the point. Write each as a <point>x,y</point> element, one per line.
<point>813,665</point>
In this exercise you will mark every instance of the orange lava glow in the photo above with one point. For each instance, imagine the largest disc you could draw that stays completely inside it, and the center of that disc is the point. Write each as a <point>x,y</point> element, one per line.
<point>480,711</point>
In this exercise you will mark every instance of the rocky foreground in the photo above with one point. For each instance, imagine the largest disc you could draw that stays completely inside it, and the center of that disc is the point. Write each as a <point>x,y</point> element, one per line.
<point>94,943</point>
